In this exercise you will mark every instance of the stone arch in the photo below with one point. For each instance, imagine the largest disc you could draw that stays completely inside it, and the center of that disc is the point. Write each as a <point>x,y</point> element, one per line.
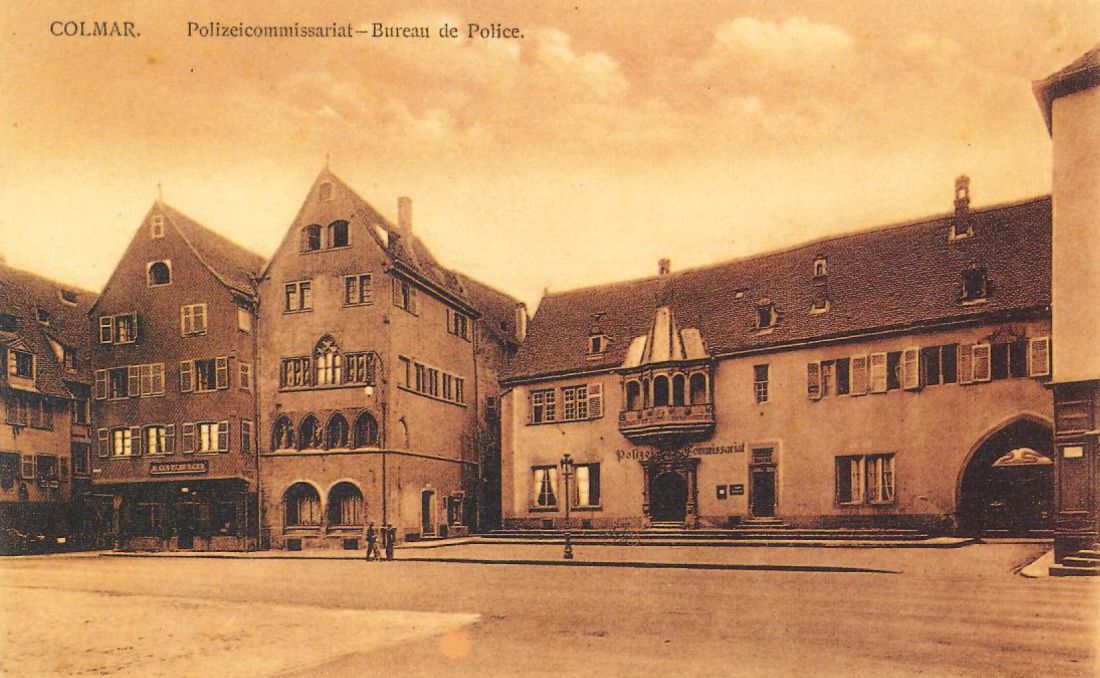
<point>309,433</point>
<point>282,434</point>
<point>337,435</point>
<point>302,504</point>
<point>365,432</point>
<point>345,504</point>
<point>1014,497</point>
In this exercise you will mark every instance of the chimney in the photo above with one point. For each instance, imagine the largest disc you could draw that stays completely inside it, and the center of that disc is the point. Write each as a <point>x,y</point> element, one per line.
<point>405,213</point>
<point>962,196</point>
<point>664,266</point>
<point>521,321</point>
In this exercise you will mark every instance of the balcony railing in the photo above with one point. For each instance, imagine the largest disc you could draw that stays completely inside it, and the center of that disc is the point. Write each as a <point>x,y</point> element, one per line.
<point>667,420</point>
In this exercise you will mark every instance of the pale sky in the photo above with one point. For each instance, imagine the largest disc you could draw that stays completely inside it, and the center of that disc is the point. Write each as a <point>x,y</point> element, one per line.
<point>611,135</point>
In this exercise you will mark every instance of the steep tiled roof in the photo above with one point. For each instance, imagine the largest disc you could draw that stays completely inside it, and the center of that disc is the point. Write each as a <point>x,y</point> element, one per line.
<point>234,265</point>
<point>497,309</point>
<point>403,246</point>
<point>21,295</point>
<point>1083,73</point>
<point>901,276</point>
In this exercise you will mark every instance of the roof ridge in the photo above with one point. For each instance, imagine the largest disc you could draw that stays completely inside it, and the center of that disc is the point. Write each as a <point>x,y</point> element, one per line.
<point>52,281</point>
<point>174,215</point>
<point>854,233</point>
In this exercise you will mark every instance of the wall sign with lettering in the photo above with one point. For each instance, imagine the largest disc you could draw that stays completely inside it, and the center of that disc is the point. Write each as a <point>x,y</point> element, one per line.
<point>168,468</point>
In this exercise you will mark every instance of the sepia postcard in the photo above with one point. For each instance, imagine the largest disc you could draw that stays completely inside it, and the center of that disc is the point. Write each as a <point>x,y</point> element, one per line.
<point>517,338</point>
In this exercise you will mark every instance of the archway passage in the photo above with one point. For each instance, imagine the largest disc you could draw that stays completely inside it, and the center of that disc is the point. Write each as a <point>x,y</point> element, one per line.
<point>668,498</point>
<point>1008,487</point>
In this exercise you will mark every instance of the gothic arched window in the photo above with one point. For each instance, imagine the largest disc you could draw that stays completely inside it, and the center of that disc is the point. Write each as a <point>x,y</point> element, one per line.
<point>329,364</point>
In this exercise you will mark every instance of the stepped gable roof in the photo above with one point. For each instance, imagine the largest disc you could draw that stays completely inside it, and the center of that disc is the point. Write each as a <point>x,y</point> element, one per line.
<point>21,295</point>
<point>235,266</point>
<point>896,277</point>
<point>497,309</point>
<point>1082,74</point>
<point>402,246</point>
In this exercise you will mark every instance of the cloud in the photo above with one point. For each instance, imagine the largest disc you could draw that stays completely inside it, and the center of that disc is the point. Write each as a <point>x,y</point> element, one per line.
<point>793,44</point>
<point>595,72</point>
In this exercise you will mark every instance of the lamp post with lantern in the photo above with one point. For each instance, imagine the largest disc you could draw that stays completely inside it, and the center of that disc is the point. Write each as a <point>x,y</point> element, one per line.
<point>566,474</point>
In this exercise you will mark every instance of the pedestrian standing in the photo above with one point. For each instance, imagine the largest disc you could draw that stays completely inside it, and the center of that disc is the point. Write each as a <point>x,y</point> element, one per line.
<point>372,543</point>
<point>391,537</point>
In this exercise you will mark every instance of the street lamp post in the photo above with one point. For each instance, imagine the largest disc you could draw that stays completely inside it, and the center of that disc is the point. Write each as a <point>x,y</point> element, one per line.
<point>567,473</point>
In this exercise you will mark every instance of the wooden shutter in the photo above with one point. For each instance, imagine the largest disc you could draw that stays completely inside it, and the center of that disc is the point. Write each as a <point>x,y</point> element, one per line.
<point>397,301</point>
<point>169,438</point>
<point>223,436</point>
<point>1038,363</point>
<point>135,440</point>
<point>187,376</point>
<point>414,302</point>
<point>106,329</point>
<point>133,380</point>
<point>187,438</point>
<point>104,443</point>
<point>221,373</point>
<point>158,378</point>
<point>981,362</point>
<point>878,379</point>
<point>966,364</point>
<point>813,381</point>
<point>595,401</point>
<point>910,369</point>
<point>139,333</point>
<point>63,469</point>
<point>858,374</point>
<point>100,384</point>
<point>27,470</point>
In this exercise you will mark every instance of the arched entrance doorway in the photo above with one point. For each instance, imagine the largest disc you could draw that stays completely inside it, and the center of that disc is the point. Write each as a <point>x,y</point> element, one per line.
<point>1008,485</point>
<point>668,497</point>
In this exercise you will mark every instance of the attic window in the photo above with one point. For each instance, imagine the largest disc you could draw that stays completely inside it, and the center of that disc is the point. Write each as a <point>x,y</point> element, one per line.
<point>7,322</point>
<point>156,228</point>
<point>961,229</point>
<point>821,267</point>
<point>324,192</point>
<point>67,296</point>
<point>597,344</point>
<point>975,285</point>
<point>43,316</point>
<point>738,295</point>
<point>21,364</point>
<point>159,273</point>
<point>311,238</point>
<point>338,234</point>
<point>766,315</point>
<point>819,306</point>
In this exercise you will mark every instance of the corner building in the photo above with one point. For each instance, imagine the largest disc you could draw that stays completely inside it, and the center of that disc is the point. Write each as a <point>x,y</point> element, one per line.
<point>377,380</point>
<point>892,378</point>
<point>174,399</point>
<point>45,433</point>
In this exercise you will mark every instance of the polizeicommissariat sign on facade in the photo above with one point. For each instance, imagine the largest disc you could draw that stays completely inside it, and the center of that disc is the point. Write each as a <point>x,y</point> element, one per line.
<point>646,453</point>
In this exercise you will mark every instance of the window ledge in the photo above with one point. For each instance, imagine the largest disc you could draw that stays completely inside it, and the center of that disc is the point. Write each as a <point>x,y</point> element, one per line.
<point>592,508</point>
<point>358,303</point>
<point>542,509</point>
<point>973,302</point>
<point>323,387</point>
<point>297,311</point>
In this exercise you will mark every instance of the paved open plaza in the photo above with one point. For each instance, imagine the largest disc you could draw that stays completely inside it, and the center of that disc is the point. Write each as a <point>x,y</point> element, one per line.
<point>783,611</point>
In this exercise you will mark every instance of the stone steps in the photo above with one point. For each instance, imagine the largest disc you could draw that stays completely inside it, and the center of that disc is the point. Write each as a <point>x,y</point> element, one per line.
<point>740,534</point>
<point>1083,563</point>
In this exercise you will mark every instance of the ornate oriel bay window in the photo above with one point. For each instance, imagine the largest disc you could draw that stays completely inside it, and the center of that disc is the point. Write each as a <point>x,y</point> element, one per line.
<point>667,384</point>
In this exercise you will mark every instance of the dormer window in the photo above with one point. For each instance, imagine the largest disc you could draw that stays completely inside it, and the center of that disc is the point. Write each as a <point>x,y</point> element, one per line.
<point>8,322</point>
<point>821,267</point>
<point>597,344</point>
<point>738,295</point>
<point>43,316</point>
<point>961,229</point>
<point>961,226</point>
<point>324,192</point>
<point>67,297</point>
<point>975,284</point>
<point>156,227</point>
<point>820,305</point>
<point>159,273</point>
<point>311,238</point>
<point>21,364</point>
<point>766,315</point>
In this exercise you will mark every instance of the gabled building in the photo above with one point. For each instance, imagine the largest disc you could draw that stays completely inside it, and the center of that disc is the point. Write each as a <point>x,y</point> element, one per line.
<point>174,393</point>
<point>45,432</point>
<point>893,377</point>
<point>377,379</point>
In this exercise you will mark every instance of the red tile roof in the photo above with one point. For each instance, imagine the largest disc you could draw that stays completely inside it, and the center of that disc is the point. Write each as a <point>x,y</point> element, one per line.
<point>21,295</point>
<point>234,265</point>
<point>891,278</point>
